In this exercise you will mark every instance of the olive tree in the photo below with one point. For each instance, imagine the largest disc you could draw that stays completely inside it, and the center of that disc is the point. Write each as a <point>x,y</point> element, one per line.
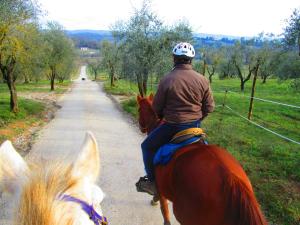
<point>17,19</point>
<point>145,44</point>
<point>60,53</point>
<point>94,65</point>
<point>245,60</point>
<point>110,59</point>
<point>292,31</point>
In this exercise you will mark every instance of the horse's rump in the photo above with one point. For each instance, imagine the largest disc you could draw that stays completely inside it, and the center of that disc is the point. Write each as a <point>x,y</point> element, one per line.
<point>203,181</point>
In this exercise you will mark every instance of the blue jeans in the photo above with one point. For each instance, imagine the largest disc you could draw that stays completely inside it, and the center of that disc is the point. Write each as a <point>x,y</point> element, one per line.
<point>157,138</point>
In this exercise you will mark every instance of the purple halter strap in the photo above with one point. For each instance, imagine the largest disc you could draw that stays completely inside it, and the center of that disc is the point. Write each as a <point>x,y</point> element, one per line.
<point>89,209</point>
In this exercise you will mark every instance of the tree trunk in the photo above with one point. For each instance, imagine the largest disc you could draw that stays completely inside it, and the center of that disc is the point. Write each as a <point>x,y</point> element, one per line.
<point>264,79</point>
<point>7,72</point>
<point>13,93</point>
<point>26,79</point>
<point>240,74</point>
<point>298,41</point>
<point>211,73</point>
<point>112,79</point>
<point>145,82</point>
<point>145,87</point>
<point>52,84</point>
<point>204,67</point>
<point>52,78</point>
<point>242,84</point>
<point>112,74</point>
<point>140,85</point>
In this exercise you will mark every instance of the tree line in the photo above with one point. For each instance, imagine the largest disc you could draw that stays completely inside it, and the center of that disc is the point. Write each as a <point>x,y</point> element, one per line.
<point>141,52</point>
<point>29,51</point>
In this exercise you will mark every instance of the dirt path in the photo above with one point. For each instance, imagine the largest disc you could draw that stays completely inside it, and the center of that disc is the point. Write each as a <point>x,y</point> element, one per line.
<point>87,107</point>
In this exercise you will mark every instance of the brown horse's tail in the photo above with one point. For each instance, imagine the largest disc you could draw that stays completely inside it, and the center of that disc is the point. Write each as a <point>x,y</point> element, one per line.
<point>242,208</point>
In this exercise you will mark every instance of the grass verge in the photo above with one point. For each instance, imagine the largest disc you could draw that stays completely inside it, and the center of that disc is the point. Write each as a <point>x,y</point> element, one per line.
<point>32,113</point>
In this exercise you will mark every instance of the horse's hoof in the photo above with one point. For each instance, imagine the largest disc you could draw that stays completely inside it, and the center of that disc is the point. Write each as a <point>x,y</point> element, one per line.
<point>167,223</point>
<point>154,203</point>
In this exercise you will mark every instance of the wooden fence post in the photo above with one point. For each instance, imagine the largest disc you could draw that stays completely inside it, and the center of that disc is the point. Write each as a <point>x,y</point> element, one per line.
<point>253,90</point>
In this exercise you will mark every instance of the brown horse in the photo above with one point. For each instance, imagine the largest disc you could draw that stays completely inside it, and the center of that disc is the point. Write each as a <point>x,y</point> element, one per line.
<point>205,183</point>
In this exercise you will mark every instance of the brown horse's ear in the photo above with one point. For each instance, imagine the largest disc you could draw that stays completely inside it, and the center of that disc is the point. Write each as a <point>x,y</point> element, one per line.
<point>151,96</point>
<point>139,98</point>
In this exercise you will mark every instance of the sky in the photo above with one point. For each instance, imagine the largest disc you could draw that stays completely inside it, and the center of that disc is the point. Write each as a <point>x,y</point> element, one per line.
<point>226,17</point>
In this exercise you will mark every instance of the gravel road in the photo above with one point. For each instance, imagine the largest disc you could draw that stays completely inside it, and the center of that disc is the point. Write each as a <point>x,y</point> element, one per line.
<point>87,107</point>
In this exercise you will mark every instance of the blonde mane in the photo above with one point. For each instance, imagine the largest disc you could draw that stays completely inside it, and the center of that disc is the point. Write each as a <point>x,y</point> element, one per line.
<point>39,204</point>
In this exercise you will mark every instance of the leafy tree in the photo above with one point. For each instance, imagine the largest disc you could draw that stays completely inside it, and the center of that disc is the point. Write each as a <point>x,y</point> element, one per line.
<point>32,64</point>
<point>67,67</point>
<point>269,53</point>
<point>145,45</point>
<point>141,37</point>
<point>245,61</point>
<point>214,61</point>
<point>110,59</point>
<point>60,52</point>
<point>292,31</point>
<point>169,36</point>
<point>94,64</point>
<point>225,66</point>
<point>17,17</point>
<point>204,58</point>
<point>210,57</point>
<point>288,66</point>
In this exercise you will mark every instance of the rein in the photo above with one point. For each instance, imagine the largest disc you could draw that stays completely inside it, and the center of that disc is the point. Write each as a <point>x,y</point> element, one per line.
<point>151,126</point>
<point>89,209</point>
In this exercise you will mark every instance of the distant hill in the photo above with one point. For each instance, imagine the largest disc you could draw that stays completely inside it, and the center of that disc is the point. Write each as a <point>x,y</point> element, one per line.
<point>89,38</point>
<point>92,38</point>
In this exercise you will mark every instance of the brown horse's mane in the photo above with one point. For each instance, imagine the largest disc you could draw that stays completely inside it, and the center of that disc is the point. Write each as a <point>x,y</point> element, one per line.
<point>38,200</point>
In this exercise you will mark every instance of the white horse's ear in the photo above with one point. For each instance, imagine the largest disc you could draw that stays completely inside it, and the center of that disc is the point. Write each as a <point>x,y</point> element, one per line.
<point>13,168</point>
<point>87,165</point>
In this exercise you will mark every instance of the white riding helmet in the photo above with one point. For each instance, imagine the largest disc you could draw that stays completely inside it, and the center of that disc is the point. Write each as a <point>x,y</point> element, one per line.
<point>184,49</point>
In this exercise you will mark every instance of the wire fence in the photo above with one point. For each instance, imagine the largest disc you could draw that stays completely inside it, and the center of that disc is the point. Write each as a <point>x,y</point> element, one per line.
<point>256,124</point>
<point>266,100</point>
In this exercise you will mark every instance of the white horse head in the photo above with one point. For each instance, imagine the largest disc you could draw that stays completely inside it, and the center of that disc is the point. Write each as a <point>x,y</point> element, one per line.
<point>54,193</point>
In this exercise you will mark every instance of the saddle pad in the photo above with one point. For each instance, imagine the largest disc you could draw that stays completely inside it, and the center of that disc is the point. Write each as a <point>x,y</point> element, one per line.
<point>165,152</point>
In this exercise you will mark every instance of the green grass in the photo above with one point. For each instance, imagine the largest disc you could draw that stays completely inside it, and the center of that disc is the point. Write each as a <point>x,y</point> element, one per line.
<point>41,86</point>
<point>30,111</point>
<point>272,163</point>
<point>122,87</point>
<point>130,106</point>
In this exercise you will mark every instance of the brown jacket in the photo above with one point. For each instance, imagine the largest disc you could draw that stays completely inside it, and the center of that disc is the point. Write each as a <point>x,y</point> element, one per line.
<point>183,96</point>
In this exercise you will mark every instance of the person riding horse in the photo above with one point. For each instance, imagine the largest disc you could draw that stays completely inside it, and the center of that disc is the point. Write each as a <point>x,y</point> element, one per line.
<point>182,101</point>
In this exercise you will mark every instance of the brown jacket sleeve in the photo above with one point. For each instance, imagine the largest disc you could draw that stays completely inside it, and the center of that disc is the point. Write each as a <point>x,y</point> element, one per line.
<point>159,100</point>
<point>208,103</point>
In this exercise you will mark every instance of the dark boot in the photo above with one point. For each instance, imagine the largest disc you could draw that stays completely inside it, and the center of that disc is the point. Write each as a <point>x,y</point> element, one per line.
<point>145,185</point>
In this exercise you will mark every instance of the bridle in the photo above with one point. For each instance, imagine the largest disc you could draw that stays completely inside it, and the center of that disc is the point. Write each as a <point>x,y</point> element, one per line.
<point>89,209</point>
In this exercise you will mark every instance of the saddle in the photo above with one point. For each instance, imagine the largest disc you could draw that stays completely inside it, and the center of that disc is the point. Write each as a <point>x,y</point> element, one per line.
<point>189,136</point>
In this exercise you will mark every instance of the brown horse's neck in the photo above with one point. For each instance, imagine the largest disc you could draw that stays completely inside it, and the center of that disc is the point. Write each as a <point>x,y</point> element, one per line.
<point>153,120</point>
